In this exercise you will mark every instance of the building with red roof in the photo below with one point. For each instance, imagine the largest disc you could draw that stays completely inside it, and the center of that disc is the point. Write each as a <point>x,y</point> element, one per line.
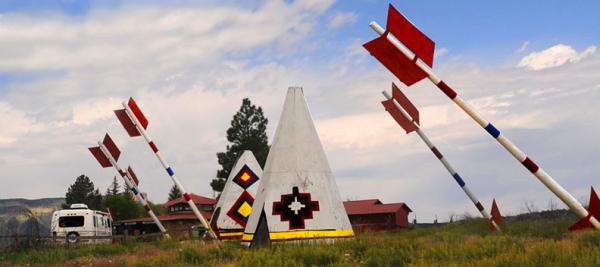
<point>373,215</point>
<point>178,219</point>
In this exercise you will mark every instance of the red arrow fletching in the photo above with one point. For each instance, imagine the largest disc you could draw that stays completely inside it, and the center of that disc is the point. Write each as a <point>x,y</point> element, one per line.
<point>127,123</point>
<point>111,147</point>
<point>137,112</point>
<point>133,176</point>
<point>408,123</point>
<point>100,157</point>
<point>410,36</point>
<point>593,210</point>
<point>496,216</point>
<point>394,60</point>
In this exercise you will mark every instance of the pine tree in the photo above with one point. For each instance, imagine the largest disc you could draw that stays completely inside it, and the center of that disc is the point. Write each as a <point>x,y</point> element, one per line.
<point>114,187</point>
<point>247,132</point>
<point>174,193</point>
<point>83,191</point>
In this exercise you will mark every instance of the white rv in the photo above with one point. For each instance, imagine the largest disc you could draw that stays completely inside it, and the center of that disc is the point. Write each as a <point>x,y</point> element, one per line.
<point>80,224</point>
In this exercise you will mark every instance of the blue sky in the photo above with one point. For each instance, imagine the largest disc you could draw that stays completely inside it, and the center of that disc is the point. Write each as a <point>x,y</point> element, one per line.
<point>530,67</point>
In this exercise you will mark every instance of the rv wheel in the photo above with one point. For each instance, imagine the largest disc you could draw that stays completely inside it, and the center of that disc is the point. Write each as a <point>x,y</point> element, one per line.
<point>73,238</point>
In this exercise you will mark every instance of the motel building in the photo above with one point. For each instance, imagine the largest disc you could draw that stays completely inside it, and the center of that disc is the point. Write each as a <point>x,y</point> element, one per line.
<point>178,219</point>
<point>365,215</point>
<point>373,215</point>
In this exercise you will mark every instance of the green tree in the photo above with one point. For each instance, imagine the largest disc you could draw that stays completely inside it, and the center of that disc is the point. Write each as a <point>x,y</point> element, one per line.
<point>123,206</point>
<point>247,132</point>
<point>83,191</point>
<point>174,193</point>
<point>114,187</point>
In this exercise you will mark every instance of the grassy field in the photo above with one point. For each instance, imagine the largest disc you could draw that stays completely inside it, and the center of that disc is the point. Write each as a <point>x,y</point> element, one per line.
<point>459,244</point>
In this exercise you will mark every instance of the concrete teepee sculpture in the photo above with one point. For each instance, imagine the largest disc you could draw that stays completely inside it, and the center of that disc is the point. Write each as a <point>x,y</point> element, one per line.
<point>298,198</point>
<point>235,203</point>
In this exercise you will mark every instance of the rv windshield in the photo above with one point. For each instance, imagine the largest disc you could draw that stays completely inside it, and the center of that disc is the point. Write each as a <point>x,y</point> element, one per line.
<point>70,221</point>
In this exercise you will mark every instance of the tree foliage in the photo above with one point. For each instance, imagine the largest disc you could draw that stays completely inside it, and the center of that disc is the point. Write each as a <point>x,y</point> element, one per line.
<point>247,132</point>
<point>114,187</point>
<point>123,206</point>
<point>174,193</point>
<point>83,191</point>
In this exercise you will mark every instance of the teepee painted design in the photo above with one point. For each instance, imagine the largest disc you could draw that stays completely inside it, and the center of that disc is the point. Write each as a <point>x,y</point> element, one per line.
<point>235,203</point>
<point>298,198</point>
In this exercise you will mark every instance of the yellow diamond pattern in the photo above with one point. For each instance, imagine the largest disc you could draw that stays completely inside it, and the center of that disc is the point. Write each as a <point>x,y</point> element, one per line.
<point>245,176</point>
<point>245,209</point>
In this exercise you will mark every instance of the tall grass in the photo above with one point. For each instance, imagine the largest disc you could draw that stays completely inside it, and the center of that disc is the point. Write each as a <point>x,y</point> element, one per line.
<point>460,244</point>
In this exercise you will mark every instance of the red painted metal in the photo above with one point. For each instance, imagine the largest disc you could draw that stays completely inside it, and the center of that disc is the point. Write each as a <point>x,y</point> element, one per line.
<point>127,123</point>
<point>112,147</point>
<point>410,121</point>
<point>410,36</point>
<point>401,66</point>
<point>593,209</point>
<point>138,113</point>
<point>133,176</point>
<point>496,216</point>
<point>103,160</point>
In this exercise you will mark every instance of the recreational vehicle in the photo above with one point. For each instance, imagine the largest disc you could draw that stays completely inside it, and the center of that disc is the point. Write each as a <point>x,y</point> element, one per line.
<point>80,224</point>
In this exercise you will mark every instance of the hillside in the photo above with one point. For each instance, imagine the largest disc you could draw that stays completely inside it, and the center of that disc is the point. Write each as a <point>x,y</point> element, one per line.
<point>26,217</point>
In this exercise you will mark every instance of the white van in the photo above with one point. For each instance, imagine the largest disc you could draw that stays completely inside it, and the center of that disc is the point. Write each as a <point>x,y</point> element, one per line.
<point>80,224</point>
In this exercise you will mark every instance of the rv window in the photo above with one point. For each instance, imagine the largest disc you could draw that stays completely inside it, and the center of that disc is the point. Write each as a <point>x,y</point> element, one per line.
<point>70,221</point>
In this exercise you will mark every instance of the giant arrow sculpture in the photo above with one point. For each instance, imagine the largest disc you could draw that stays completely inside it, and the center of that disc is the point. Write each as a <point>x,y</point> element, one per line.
<point>135,123</point>
<point>407,116</point>
<point>107,153</point>
<point>404,50</point>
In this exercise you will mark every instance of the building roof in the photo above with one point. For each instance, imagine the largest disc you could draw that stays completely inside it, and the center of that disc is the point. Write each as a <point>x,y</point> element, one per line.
<point>170,217</point>
<point>372,206</point>
<point>198,200</point>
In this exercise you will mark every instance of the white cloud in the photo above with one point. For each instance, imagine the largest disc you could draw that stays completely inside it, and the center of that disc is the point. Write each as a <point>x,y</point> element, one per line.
<point>554,56</point>
<point>523,47</point>
<point>442,51</point>
<point>189,76</point>
<point>340,18</point>
<point>15,124</point>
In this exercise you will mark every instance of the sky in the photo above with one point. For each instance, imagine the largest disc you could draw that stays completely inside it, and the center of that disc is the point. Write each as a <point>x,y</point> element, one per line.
<point>530,68</point>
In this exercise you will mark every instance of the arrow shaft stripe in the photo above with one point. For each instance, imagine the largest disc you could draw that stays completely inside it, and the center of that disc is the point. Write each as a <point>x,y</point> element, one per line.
<point>479,206</point>
<point>492,130</point>
<point>437,153</point>
<point>153,146</point>
<point>458,179</point>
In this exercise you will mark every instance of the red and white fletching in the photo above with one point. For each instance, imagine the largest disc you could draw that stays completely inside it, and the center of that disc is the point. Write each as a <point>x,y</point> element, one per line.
<point>409,119</point>
<point>133,176</point>
<point>393,59</point>
<point>593,210</point>
<point>100,157</point>
<point>496,217</point>
<point>127,122</point>
<point>111,147</point>
<point>137,112</point>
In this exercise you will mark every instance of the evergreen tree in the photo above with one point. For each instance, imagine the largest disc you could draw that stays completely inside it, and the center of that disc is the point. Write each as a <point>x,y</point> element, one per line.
<point>122,206</point>
<point>174,193</point>
<point>114,187</point>
<point>83,191</point>
<point>247,132</point>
